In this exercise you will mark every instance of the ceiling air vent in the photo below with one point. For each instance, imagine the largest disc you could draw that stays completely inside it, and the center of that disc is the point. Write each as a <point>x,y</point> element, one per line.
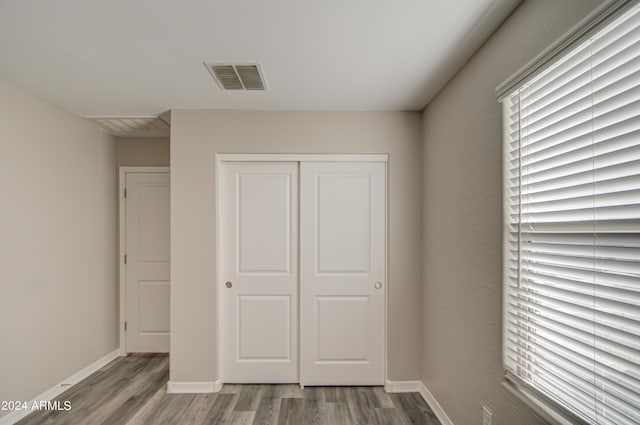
<point>237,77</point>
<point>133,126</point>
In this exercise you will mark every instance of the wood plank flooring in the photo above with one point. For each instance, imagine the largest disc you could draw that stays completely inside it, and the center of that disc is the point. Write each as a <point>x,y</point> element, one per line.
<point>132,391</point>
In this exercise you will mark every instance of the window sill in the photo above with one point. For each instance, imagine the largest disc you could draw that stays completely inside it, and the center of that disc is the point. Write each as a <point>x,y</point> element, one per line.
<point>542,408</point>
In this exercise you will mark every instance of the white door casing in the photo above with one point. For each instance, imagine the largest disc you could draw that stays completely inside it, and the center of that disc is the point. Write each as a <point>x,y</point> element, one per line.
<point>342,273</point>
<point>147,268</point>
<point>259,287</point>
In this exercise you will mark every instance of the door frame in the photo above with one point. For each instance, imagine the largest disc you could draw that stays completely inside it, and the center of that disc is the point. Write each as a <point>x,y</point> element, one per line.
<point>220,159</point>
<point>122,247</point>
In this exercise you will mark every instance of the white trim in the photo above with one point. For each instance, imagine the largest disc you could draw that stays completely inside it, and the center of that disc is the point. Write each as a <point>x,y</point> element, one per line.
<point>419,387</point>
<point>435,406</point>
<point>61,387</point>
<point>122,277</point>
<point>223,157</point>
<point>387,249</point>
<point>174,387</point>
<point>373,157</point>
<point>218,264</point>
<point>402,386</point>
<point>92,368</point>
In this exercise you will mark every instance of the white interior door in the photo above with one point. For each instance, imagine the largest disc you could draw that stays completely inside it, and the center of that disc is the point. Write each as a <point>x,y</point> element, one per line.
<point>147,262</point>
<point>342,273</point>
<point>259,288</point>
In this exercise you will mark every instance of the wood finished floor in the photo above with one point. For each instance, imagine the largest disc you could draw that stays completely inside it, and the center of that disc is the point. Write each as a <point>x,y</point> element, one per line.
<point>132,391</point>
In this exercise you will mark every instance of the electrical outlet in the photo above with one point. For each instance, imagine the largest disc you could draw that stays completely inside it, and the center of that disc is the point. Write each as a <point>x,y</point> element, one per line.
<point>487,416</point>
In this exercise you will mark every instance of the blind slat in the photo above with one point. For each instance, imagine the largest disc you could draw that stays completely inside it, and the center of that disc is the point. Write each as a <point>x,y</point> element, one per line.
<point>576,352</point>
<point>578,366</point>
<point>572,227</point>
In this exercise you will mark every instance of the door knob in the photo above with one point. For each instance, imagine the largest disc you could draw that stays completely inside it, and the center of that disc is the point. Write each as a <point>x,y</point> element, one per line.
<point>228,284</point>
<point>378,285</point>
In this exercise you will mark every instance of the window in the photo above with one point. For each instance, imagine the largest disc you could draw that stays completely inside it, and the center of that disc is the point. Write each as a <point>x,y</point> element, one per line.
<point>572,227</point>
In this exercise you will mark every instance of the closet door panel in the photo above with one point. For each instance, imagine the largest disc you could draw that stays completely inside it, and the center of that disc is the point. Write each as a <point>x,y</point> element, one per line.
<point>260,260</point>
<point>342,273</point>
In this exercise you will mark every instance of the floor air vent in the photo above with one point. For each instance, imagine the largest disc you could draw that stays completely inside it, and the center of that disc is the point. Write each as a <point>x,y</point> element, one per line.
<point>237,77</point>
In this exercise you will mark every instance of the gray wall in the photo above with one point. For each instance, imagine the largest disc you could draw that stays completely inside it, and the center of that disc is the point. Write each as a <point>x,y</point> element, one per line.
<point>196,136</point>
<point>142,152</point>
<point>462,195</point>
<point>57,244</point>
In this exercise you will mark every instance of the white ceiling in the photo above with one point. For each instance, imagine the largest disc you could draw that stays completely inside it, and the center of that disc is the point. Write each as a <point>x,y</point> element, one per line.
<point>143,57</point>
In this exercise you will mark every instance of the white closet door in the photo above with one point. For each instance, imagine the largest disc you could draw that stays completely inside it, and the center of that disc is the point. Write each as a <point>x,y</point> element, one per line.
<point>147,268</point>
<point>342,273</point>
<point>260,260</point>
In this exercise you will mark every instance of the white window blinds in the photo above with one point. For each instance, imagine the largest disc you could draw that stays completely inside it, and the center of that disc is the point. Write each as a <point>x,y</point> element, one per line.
<point>572,228</point>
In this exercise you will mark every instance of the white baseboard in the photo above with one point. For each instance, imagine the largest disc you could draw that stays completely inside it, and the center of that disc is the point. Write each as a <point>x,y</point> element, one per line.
<point>419,387</point>
<point>402,386</point>
<point>58,389</point>
<point>435,406</point>
<point>174,387</point>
